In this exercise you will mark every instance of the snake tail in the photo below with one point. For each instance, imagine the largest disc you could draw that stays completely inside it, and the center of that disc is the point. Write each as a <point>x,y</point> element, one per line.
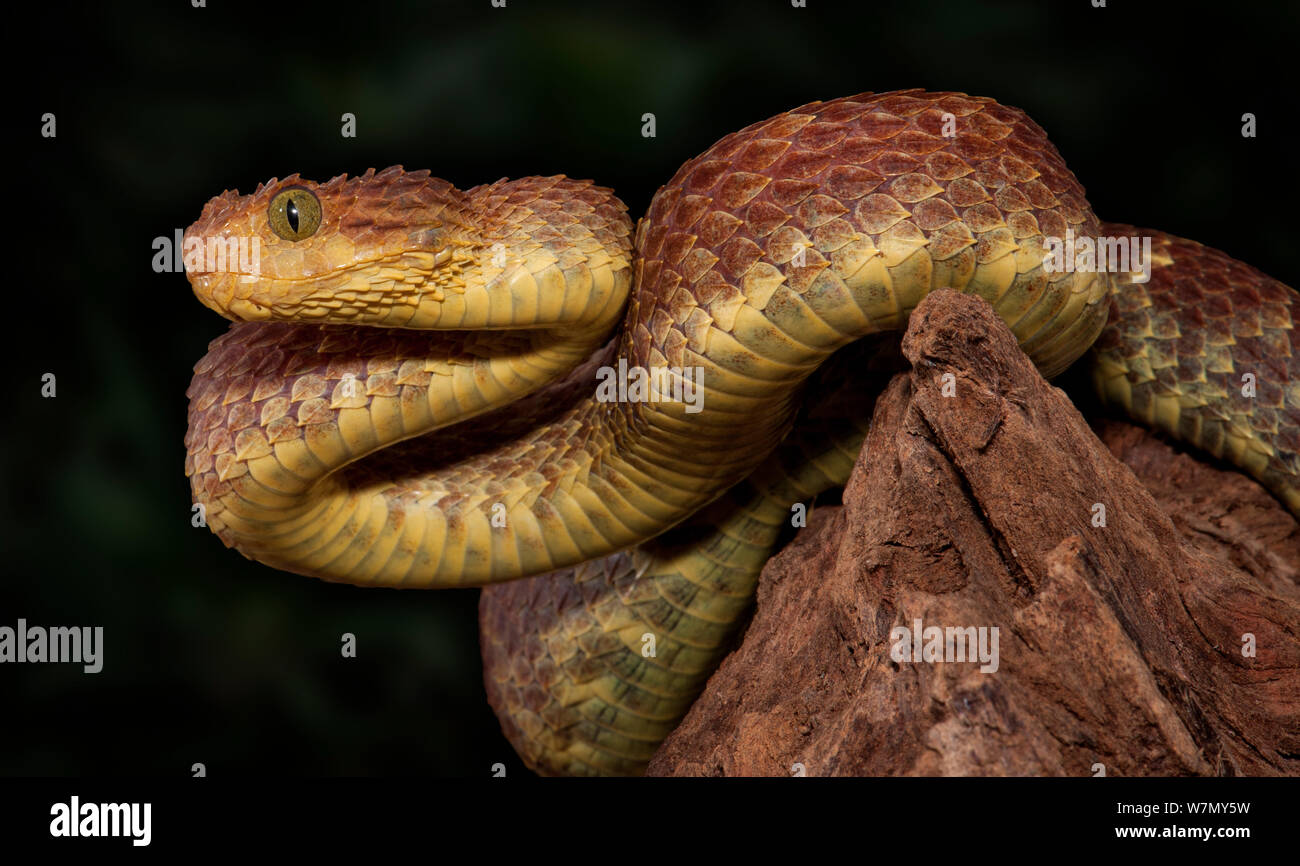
<point>1207,350</point>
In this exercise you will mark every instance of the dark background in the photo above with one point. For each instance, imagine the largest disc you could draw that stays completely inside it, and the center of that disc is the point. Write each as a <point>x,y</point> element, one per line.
<point>211,658</point>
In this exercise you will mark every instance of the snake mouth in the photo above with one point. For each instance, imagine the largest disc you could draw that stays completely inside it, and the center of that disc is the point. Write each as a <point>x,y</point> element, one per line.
<point>249,311</point>
<point>386,291</point>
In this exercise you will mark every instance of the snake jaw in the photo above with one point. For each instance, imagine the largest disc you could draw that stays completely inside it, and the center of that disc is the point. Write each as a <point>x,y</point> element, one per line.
<point>249,311</point>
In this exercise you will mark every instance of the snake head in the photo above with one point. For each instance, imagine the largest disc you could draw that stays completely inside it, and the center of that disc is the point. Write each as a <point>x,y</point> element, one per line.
<point>370,249</point>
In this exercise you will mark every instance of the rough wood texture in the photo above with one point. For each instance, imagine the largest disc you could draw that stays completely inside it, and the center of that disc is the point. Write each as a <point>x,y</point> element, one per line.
<point>1118,645</point>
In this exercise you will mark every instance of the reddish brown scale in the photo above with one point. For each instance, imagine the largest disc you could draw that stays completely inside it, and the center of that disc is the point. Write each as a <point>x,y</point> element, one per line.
<point>1195,329</point>
<point>879,165</point>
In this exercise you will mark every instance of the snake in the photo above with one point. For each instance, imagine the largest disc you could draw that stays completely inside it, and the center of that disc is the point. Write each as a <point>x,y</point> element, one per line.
<point>608,426</point>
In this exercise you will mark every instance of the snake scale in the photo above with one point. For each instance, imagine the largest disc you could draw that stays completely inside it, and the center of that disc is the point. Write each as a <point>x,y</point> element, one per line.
<point>408,395</point>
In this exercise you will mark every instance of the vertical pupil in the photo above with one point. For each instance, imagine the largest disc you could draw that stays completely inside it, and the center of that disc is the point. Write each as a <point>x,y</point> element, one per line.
<point>291,214</point>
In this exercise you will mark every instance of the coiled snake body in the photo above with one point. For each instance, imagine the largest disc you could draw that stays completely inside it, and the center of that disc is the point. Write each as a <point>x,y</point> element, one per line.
<point>409,396</point>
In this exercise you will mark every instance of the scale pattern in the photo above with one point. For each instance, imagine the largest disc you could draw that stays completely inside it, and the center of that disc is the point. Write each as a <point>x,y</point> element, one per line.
<point>1208,351</point>
<point>455,439</point>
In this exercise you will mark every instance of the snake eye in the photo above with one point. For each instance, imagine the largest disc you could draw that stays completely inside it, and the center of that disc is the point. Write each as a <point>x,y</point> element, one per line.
<point>294,213</point>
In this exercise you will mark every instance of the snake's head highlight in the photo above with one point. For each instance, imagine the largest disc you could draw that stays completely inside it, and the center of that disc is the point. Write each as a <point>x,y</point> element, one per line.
<point>373,249</point>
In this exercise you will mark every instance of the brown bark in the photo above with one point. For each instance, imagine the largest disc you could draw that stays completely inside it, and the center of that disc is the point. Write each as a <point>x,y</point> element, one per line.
<point>1119,645</point>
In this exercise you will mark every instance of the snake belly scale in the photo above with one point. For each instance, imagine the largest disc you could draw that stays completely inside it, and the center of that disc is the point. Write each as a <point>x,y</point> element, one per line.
<point>407,397</point>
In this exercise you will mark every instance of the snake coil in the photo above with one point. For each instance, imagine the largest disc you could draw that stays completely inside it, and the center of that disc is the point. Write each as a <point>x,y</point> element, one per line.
<point>408,395</point>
